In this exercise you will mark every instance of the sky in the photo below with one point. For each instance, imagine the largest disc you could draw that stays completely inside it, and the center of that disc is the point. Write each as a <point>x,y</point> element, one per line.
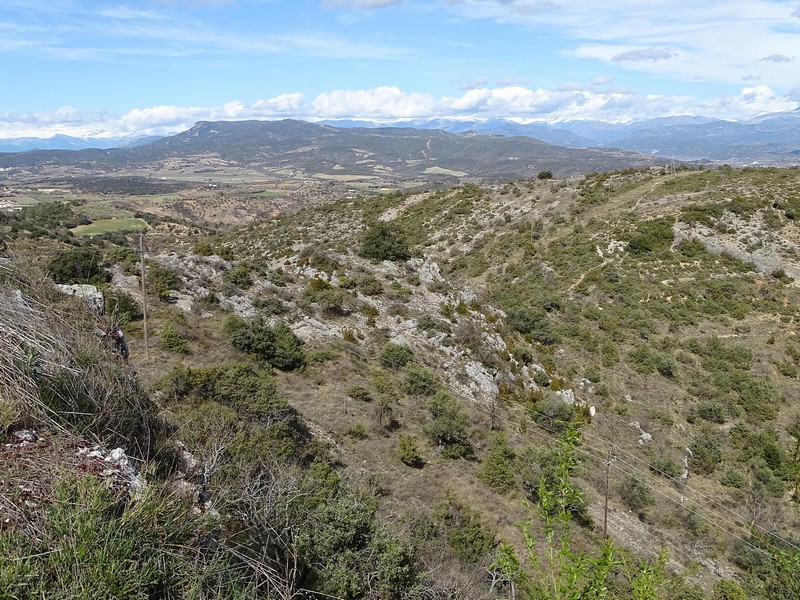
<point>108,69</point>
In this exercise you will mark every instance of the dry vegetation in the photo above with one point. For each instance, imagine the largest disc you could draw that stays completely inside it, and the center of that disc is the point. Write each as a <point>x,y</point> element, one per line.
<point>436,388</point>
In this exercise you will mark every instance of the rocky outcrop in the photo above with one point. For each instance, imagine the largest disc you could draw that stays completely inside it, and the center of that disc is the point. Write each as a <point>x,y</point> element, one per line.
<point>750,240</point>
<point>92,296</point>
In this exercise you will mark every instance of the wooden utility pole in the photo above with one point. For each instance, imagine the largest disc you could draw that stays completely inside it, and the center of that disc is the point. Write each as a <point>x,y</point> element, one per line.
<point>605,507</point>
<point>796,461</point>
<point>144,297</point>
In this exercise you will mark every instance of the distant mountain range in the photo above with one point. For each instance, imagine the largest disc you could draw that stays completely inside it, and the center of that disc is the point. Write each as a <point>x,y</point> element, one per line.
<point>66,142</point>
<point>767,139</point>
<point>292,148</point>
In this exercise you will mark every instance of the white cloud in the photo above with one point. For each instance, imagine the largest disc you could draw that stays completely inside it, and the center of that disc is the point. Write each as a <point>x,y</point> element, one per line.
<point>388,103</point>
<point>645,54</point>
<point>750,101</point>
<point>777,58</point>
<point>713,41</point>
<point>121,31</point>
<point>285,103</point>
<point>385,102</point>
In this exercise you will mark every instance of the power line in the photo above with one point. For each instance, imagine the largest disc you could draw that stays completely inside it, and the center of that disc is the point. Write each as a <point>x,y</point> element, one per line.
<point>582,450</point>
<point>432,389</point>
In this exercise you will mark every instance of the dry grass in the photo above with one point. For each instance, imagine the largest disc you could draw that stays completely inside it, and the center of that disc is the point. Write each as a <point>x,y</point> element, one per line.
<point>56,373</point>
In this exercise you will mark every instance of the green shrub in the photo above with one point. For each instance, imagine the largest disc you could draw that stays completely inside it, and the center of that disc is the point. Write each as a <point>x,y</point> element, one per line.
<point>395,356</point>
<point>666,364</point>
<point>369,285</point>
<point>733,479</point>
<point>541,378</point>
<point>710,411</point>
<point>553,414</point>
<point>288,354</point>
<point>407,451</point>
<point>332,301</point>
<point>636,495</point>
<point>534,323</point>
<point>448,426</point>
<point>318,260</point>
<point>666,466</point>
<point>172,341</point>
<point>651,237</point>
<point>270,304</point>
<point>419,381</point>
<point>725,589</point>
<point>78,266</point>
<point>250,392</point>
<point>497,468</point>
<point>384,241</point>
<point>123,306</point>
<point>706,452</point>
<point>359,393</point>
<point>430,324</point>
<point>276,345</point>
<point>468,538</point>
<point>239,275</point>
<point>643,359</point>
<point>357,431</point>
<point>203,249</point>
<point>161,280</point>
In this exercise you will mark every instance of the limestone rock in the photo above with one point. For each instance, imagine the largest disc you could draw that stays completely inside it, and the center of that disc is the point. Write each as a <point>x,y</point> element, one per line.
<point>89,293</point>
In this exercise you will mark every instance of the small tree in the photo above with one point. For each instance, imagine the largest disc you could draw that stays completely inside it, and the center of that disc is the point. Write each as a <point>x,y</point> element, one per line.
<point>383,241</point>
<point>172,341</point>
<point>566,573</point>
<point>496,470</point>
<point>78,266</point>
<point>395,356</point>
<point>635,494</point>
<point>277,345</point>
<point>448,426</point>
<point>407,451</point>
<point>419,381</point>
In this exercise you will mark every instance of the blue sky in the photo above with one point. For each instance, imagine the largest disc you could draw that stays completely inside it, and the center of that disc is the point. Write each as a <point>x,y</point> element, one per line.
<point>81,67</point>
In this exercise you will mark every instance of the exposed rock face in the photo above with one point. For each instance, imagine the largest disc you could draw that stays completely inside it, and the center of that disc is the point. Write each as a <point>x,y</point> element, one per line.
<point>90,294</point>
<point>428,271</point>
<point>644,437</point>
<point>749,240</point>
<point>190,481</point>
<point>114,465</point>
<point>463,367</point>
<point>687,455</point>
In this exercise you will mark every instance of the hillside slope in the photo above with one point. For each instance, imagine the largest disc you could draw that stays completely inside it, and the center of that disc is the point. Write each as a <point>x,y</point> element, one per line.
<point>443,356</point>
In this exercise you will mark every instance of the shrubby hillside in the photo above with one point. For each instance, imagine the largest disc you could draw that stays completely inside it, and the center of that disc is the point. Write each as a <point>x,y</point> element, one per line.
<point>432,394</point>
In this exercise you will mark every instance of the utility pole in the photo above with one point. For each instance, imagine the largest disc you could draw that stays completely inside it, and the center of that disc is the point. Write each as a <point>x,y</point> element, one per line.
<point>607,463</point>
<point>144,297</point>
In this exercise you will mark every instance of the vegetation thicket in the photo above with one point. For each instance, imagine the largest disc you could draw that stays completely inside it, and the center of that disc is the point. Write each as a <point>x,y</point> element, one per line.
<point>320,416</point>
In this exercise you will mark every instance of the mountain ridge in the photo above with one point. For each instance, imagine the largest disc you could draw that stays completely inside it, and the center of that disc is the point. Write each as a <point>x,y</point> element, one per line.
<point>309,149</point>
<point>771,138</point>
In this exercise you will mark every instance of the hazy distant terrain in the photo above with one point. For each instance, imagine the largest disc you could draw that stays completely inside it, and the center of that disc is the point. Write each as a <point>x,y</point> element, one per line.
<point>771,139</point>
<point>298,149</point>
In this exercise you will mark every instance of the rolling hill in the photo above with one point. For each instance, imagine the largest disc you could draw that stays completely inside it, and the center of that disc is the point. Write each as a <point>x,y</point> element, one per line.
<point>306,149</point>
